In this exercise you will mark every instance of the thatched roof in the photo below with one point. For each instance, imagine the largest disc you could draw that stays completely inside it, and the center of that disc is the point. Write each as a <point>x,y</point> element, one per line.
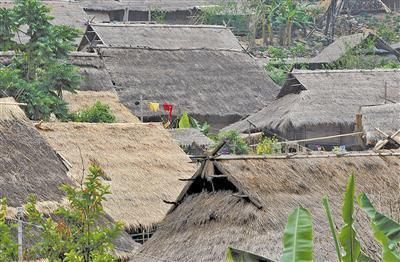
<point>28,165</point>
<point>385,117</point>
<point>92,70</point>
<point>83,99</point>
<point>341,45</point>
<point>360,6</point>
<point>144,5</point>
<point>144,166</point>
<point>253,197</point>
<point>324,97</point>
<point>164,37</point>
<point>188,136</point>
<point>203,83</point>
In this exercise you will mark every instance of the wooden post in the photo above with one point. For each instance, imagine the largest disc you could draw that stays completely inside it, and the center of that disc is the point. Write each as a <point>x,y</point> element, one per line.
<point>126,15</point>
<point>149,16</point>
<point>385,92</point>
<point>20,214</point>
<point>141,108</point>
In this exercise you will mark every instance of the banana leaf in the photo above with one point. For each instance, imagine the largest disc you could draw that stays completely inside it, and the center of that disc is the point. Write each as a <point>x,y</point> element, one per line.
<point>325,203</point>
<point>386,231</point>
<point>298,237</point>
<point>347,235</point>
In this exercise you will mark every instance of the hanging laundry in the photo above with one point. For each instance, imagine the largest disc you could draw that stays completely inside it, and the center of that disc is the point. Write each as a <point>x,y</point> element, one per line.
<point>154,107</point>
<point>168,108</point>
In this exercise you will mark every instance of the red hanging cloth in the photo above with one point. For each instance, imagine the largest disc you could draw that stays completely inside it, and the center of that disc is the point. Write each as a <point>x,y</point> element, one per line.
<point>168,108</point>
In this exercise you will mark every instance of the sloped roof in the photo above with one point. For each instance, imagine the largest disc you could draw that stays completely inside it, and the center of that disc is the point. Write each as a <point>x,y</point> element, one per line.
<point>212,83</point>
<point>144,5</point>
<point>323,97</point>
<point>385,117</point>
<point>142,162</point>
<point>247,207</point>
<point>359,6</point>
<point>83,99</point>
<point>188,136</point>
<point>165,37</point>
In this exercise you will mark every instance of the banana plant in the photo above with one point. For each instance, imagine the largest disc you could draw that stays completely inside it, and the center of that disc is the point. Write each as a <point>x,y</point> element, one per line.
<point>386,231</point>
<point>298,237</point>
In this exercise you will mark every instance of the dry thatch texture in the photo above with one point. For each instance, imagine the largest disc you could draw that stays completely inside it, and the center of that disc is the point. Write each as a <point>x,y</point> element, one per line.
<point>141,160</point>
<point>359,6</point>
<point>324,97</point>
<point>10,110</point>
<point>83,99</point>
<point>204,224</point>
<point>144,5</point>
<point>166,37</point>
<point>385,117</point>
<point>338,48</point>
<point>188,136</point>
<point>92,70</point>
<point>28,165</point>
<point>204,83</point>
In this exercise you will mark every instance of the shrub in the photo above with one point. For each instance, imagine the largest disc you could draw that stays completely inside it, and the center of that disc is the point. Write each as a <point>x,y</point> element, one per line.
<point>269,146</point>
<point>98,113</point>
<point>234,143</point>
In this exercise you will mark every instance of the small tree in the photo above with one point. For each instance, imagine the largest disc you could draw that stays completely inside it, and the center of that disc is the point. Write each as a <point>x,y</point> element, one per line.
<point>234,143</point>
<point>8,246</point>
<point>80,233</point>
<point>39,70</point>
<point>98,113</point>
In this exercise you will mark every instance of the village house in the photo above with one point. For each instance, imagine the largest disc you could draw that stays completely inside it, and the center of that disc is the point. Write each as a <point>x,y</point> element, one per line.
<point>191,140</point>
<point>30,166</point>
<point>196,69</point>
<point>321,103</point>
<point>170,12</point>
<point>142,163</point>
<point>381,124</point>
<point>244,202</point>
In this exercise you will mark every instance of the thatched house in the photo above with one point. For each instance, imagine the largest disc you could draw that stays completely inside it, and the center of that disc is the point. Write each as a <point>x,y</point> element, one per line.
<point>244,202</point>
<point>64,13</point>
<point>170,12</point>
<point>198,69</point>
<point>314,104</point>
<point>83,99</point>
<point>29,165</point>
<point>142,162</point>
<point>394,5</point>
<point>355,7</point>
<point>191,140</point>
<point>386,118</point>
<point>342,45</point>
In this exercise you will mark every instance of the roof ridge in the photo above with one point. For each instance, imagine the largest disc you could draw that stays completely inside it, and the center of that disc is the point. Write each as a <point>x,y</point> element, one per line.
<point>346,71</point>
<point>158,25</point>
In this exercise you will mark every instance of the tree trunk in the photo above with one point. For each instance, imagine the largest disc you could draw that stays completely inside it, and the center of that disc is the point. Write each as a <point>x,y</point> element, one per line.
<point>270,33</point>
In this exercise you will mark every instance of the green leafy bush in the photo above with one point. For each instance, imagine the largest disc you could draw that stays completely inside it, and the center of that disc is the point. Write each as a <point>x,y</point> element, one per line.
<point>98,113</point>
<point>269,146</point>
<point>234,143</point>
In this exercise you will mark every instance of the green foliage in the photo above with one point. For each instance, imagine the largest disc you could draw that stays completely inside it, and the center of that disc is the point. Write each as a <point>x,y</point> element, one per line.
<point>325,203</point>
<point>298,237</point>
<point>234,143</point>
<point>184,121</point>
<point>347,235</point>
<point>158,16</point>
<point>8,245</point>
<point>387,33</point>
<point>39,71</point>
<point>78,234</point>
<point>386,231</point>
<point>98,113</point>
<point>187,121</point>
<point>269,146</point>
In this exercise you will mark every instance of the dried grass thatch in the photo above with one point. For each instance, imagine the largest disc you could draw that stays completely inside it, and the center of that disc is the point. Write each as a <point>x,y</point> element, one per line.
<point>188,136</point>
<point>385,117</point>
<point>203,83</point>
<point>204,222</point>
<point>145,5</point>
<point>141,160</point>
<point>83,99</point>
<point>92,70</point>
<point>324,97</point>
<point>165,37</point>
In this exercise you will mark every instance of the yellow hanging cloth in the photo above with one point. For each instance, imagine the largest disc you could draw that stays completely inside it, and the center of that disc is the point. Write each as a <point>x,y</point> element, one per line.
<point>154,106</point>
